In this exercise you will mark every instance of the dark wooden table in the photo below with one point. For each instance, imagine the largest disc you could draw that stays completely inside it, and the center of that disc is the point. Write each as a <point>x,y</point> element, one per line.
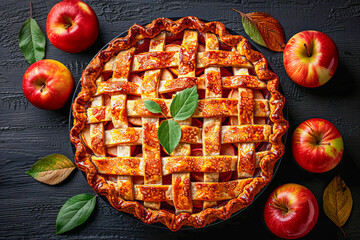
<point>28,208</point>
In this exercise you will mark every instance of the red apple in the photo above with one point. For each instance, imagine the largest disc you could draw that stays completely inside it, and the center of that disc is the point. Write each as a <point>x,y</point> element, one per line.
<point>72,26</point>
<point>48,84</point>
<point>310,58</point>
<point>291,211</point>
<point>317,145</point>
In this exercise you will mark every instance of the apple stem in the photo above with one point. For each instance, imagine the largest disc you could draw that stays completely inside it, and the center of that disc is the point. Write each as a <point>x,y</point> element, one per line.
<point>307,50</point>
<point>67,26</point>
<point>42,88</point>
<point>323,143</point>
<point>279,207</point>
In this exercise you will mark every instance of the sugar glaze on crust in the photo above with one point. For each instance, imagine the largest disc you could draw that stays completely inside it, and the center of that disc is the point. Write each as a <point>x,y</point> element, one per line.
<point>248,188</point>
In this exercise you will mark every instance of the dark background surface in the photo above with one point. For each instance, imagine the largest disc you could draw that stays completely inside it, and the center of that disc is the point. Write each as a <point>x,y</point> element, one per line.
<point>28,209</point>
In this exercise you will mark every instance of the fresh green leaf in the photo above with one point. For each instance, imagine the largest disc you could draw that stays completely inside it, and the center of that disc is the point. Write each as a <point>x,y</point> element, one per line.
<point>184,104</point>
<point>32,41</point>
<point>169,134</point>
<point>51,169</point>
<point>75,212</point>
<point>152,106</point>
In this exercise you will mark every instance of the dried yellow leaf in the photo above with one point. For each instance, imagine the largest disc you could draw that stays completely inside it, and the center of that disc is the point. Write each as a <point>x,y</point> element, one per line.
<point>337,201</point>
<point>52,169</point>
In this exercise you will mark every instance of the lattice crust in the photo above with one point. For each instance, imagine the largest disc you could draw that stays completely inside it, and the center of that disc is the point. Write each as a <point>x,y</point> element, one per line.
<point>142,184</point>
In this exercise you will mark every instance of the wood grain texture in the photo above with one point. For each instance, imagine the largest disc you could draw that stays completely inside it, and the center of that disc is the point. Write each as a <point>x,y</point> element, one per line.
<point>29,208</point>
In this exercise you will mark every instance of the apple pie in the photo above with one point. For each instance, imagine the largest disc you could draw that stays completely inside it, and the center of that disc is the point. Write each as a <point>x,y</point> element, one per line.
<point>228,147</point>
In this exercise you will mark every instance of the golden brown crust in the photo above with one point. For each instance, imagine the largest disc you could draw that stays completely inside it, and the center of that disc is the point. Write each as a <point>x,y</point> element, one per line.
<point>249,187</point>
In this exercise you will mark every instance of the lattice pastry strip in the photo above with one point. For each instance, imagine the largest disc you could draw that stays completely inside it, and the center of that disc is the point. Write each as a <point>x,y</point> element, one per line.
<point>192,135</point>
<point>97,129</point>
<point>158,59</point>
<point>134,166</point>
<point>199,191</point>
<point>178,84</point>
<point>151,145</point>
<point>214,107</point>
<point>212,126</point>
<point>246,151</point>
<point>181,181</point>
<point>187,67</point>
<point>121,72</point>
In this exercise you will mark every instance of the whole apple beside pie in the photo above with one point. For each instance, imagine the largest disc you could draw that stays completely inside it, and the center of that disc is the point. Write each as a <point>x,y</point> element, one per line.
<point>317,145</point>
<point>310,58</point>
<point>48,84</point>
<point>72,26</point>
<point>291,211</point>
<point>228,147</point>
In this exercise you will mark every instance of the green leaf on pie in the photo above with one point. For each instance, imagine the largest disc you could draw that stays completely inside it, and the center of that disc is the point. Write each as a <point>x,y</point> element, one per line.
<point>152,106</point>
<point>75,212</point>
<point>169,134</point>
<point>32,41</point>
<point>184,104</point>
<point>51,169</point>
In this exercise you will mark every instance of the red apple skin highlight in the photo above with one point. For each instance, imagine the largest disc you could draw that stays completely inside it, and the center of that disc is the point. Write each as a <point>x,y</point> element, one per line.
<point>47,84</point>
<point>72,26</point>
<point>291,211</point>
<point>310,58</point>
<point>317,145</point>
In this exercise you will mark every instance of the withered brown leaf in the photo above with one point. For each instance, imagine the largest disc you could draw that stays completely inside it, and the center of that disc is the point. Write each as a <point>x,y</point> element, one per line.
<point>264,30</point>
<point>337,202</point>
